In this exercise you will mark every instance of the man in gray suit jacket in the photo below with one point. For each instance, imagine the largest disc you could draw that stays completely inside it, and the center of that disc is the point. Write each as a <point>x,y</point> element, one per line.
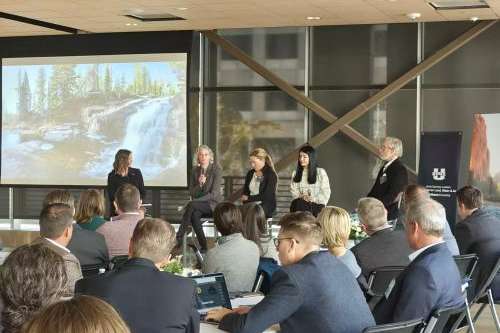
<point>313,292</point>
<point>384,247</point>
<point>56,229</point>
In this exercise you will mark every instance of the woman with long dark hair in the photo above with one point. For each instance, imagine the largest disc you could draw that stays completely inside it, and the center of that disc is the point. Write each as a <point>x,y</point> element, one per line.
<point>310,185</point>
<point>255,229</point>
<point>123,173</point>
<point>261,181</point>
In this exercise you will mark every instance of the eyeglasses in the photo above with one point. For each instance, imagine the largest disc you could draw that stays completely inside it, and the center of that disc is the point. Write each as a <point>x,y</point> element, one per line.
<point>278,240</point>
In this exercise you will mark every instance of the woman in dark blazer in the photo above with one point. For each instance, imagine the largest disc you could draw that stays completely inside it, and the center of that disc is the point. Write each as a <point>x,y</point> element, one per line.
<point>123,173</point>
<point>205,191</point>
<point>261,181</point>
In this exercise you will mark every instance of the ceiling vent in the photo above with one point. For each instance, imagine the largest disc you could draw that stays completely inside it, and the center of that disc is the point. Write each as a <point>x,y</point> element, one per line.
<point>458,4</point>
<point>143,17</point>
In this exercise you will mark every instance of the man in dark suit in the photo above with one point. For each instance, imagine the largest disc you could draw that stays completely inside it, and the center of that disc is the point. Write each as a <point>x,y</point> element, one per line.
<point>478,232</point>
<point>384,247</point>
<point>88,246</point>
<point>392,177</point>
<point>312,292</point>
<point>432,280</point>
<point>148,299</point>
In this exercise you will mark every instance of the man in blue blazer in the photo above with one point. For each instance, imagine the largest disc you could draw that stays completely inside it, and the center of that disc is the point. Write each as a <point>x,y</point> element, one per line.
<point>312,292</point>
<point>149,300</point>
<point>432,280</point>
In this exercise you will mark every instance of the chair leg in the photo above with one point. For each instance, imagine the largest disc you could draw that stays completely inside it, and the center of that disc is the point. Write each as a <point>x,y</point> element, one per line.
<point>492,308</point>
<point>469,318</point>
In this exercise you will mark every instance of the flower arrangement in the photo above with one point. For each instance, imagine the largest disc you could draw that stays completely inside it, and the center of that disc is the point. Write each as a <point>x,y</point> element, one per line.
<point>357,233</point>
<point>174,266</point>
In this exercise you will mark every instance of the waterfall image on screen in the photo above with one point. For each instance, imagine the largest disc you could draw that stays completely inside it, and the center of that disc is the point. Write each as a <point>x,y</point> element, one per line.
<point>64,118</point>
<point>484,164</point>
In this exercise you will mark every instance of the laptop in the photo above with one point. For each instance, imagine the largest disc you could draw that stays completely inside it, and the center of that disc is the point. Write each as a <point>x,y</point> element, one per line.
<point>211,292</point>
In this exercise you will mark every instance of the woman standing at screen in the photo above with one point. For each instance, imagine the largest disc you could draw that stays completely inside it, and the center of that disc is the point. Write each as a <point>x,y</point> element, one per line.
<point>261,181</point>
<point>123,173</point>
<point>205,191</point>
<point>310,185</point>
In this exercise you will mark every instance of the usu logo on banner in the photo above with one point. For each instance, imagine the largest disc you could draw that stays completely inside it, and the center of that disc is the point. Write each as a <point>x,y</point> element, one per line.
<point>439,168</point>
<point>439,174</point>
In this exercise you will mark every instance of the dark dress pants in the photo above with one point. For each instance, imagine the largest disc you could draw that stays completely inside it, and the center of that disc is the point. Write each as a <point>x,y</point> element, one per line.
<point>195,210</point>
<point>300,205</point>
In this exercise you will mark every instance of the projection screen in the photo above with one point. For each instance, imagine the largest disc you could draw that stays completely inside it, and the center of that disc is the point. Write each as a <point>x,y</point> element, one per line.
<point>64,118</point>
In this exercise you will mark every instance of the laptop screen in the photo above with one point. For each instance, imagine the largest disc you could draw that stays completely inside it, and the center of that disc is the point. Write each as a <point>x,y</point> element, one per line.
<point>211,292</point>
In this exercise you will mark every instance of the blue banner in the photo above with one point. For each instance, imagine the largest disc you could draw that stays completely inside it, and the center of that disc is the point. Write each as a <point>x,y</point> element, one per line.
<point>439,168</point>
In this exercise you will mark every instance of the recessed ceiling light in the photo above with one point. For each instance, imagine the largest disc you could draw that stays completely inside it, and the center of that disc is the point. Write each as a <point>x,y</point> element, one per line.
<point>182,8</point>
<point>313,18</point>
<point>413,16</point>
<point>474,18</point>
<point>131,24</point>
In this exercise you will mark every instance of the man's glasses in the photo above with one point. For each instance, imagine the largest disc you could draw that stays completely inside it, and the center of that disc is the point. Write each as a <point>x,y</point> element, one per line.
<point>278,240</point>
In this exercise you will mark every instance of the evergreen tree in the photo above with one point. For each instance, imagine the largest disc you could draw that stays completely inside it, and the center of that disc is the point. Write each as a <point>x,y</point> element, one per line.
<point>62,86</point>
<point>24,95</point>
<point>108,81</point>
<point>41,91</point>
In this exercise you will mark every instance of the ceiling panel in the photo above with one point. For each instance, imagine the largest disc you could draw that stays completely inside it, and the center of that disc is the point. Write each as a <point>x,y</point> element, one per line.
<point>108,15</point>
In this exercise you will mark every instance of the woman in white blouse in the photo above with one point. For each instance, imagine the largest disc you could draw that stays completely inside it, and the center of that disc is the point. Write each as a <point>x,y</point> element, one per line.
<point>310,185</point>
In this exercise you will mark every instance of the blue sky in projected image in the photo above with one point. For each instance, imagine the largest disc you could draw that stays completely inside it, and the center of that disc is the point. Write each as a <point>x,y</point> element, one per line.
<point>159,71</point>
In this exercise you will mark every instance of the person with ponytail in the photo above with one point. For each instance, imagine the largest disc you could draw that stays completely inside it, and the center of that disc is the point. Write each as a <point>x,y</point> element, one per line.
<point>261,182</point>
<point>310,185</point>
<point>205,191</point>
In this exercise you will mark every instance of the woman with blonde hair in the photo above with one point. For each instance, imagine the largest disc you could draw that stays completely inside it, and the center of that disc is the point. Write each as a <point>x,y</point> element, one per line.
<point>261,181</point>
<point>205,190</point>
<point>82,314</point>
<point>123,173</point>
<point>90,211</point>
<point>336,225</point>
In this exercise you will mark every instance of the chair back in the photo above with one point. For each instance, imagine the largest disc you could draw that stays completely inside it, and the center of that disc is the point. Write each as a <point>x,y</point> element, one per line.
<point>95,269</point>
<point>267,267</point>
<point>488,268</point>
<point>466,264</point>
<point>411,326</point>
<point>380,278</point>
<point>445,320</point>
<point>258,282</point>
<point>118,261</point>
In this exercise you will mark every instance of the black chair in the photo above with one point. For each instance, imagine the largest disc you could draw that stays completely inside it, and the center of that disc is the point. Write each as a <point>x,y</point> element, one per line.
<point>445,320</point>
<point>95,269</point>
<point>411,326</point>
<point>484,297</point>
<point>379,282</point>
<point>466,264</point>
<point>380,278</point>
<point>118,261</point>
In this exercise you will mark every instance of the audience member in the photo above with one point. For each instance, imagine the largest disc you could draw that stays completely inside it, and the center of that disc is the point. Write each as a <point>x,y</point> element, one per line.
<point>261,181</point>
<point>432,280</point>
<point>233,255</point>
<point>32,277</point>
<point>414,193</point>
<point>256,230</point>
<point>312,292</point>
<point>87,246</point>
<point>205,191</point>
<point>383,247</point>
<point>478,226</point>
<point>82,314</point>
<point>56,229</point>
<point>123,173</point>
<point>310,185</point>
<point>392,177</point>
<point>90,211</point>
<point>336,225</point>
<point>118,231</point>
<point>148,299</point>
